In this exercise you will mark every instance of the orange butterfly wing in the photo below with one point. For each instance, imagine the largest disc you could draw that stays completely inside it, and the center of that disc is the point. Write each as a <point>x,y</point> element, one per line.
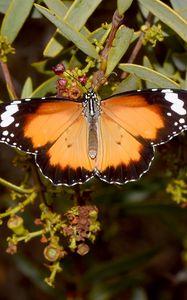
<point>67,161</point>
<point>130,126</point>
<point>56,132</point>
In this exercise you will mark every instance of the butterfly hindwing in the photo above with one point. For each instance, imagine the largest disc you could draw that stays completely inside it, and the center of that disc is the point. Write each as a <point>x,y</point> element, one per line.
<point>66,161</point>
<point>121,157</point>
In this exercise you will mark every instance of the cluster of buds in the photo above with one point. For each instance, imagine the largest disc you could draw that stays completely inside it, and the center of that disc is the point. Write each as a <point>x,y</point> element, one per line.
<point>70,82</point>
<point>152,34</point>
<point>5,48</point>
<point>82,226</point>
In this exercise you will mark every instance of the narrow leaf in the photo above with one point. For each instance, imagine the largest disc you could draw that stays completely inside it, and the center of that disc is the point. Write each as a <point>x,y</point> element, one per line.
<point>27,88</point>
<point>119,47</point>
<point>69,32</point>
<point>4,5</point>
<point>168,16</point>
<point>132,82</point>
<point>57,6</point>
<point>180,7</point>
<point>80,11</point>
<point>156,78</point>
<point>100,34</point>
<point>123,5</point>
<point>49,86</point>
<point>15,17</point>
<point>55,45</point>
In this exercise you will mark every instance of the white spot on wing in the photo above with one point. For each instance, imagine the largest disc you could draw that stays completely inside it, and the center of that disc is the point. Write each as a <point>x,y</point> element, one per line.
<point>177,104</point>
<point>181,121</point>
<point>6,117</point>
<point>5,132</point>
<point>15,102</point>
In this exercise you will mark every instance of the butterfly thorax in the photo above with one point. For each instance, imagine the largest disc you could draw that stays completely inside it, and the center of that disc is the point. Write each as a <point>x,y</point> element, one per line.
<point>92,111</point>
<point>91,105</point>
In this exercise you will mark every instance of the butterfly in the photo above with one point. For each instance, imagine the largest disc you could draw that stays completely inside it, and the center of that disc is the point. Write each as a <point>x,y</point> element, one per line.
<point>113,139</point>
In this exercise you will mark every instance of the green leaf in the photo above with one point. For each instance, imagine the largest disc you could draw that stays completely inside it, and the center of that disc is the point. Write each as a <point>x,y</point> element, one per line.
<point>80,11</point>
<point>156,78</point>
<point>4,5</point>
<point>49,86</point>
<point>168,16</point>
<point>57,42</point>
<point>55,45</point>
<point>15,17</point>
<point>120,45</point>
<point>27,88</point>
<point>130,83</point>
<point>180,7</point>
<point>57,6</point>
<point>69,32</point>
<point>44,67</point>
<point>123,5</point>
<point>100,34</point>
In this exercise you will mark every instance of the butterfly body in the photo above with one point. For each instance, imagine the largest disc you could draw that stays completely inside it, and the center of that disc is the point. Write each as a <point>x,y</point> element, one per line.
<point>113,139</point>
<point>92,112</point>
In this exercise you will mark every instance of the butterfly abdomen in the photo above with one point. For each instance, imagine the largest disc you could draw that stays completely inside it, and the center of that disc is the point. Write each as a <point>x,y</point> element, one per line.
<point>92,139</point>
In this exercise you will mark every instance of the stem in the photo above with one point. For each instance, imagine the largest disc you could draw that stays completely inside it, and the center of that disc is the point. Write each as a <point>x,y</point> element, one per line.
<point>138,45</point>
<point>55,268</point>
<point>8,79</point>
<point>99,77</point>
<point>116,22</point>
<point>29,235</point>
<point>20,206</point>
<point>14,187</point>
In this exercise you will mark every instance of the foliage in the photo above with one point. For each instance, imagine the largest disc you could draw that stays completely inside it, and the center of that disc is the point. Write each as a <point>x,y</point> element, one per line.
<point>140,252</point>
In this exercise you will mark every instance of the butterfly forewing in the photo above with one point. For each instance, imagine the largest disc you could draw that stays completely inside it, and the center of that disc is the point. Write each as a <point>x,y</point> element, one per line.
<point>33,125</point>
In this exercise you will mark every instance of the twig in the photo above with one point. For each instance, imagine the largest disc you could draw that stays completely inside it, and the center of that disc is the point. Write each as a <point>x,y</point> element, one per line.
<point>8,79</point>
<point>14,187</point>
<point>116,22</point>
<point>138,45</point>
<point>20,206</point>
<point>99,77</point>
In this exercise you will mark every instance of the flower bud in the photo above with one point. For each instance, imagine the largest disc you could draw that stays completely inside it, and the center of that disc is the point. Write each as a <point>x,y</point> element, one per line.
<point>52,253</point>
<point>15,223</point>
<point>83,249</point>
<point>58,69</point>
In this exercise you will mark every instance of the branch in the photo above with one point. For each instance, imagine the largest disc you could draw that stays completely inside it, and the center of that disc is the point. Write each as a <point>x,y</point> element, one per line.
<point>138,45</point>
